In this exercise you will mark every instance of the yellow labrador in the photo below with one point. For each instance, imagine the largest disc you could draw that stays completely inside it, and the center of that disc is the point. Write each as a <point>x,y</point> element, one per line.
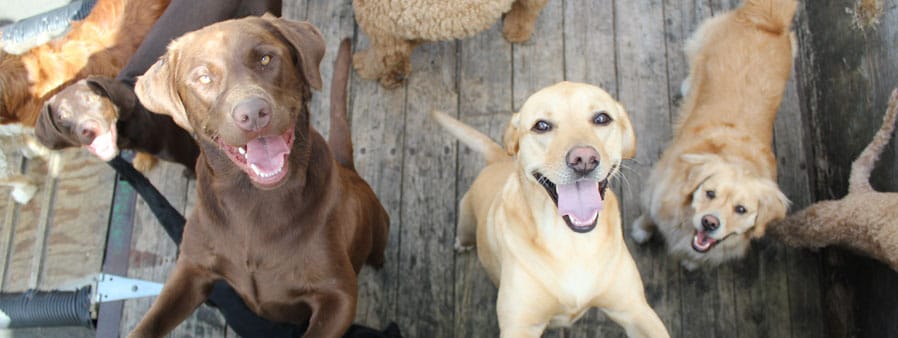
<point>548,231</point>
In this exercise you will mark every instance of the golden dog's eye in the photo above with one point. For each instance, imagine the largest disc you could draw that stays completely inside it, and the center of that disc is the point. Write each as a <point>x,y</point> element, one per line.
<point>602,118</point>
<point>204,79</point>
<point>740,209</point>
<point>265,60</point>
<point>711,194</point>
<point>542,126</point>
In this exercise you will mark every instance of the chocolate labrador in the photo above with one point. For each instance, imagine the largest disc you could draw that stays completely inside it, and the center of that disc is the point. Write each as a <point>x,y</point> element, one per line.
<point>281,214</point>
<point>103,116</point>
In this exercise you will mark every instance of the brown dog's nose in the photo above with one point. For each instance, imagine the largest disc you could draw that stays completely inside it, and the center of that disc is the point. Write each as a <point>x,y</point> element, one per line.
<point>582,159</point>
<point>710,223</point>
<point>87,131</point>
<point>252,114</point>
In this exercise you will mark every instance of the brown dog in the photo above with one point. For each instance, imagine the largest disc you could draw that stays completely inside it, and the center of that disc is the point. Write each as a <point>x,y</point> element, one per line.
<point>103,115</point>
<point>282,217</point>
<point>714,188</point>
<point>548,231</point>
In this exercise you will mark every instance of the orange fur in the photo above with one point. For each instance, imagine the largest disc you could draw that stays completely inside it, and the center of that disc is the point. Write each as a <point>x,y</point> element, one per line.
<point>101,44</point>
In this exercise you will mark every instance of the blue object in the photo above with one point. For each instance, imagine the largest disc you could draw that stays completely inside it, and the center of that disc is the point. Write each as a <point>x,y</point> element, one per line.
<point>27,33</point>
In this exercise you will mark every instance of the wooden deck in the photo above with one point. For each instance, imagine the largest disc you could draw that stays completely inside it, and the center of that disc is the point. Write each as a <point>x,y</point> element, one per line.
<point>630,48</point>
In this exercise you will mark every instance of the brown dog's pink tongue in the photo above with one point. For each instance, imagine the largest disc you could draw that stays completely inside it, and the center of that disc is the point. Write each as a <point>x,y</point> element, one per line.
<point>580,200</point>
<point>267,153</point>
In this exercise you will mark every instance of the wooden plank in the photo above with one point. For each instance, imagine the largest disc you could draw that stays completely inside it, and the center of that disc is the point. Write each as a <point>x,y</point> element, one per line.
<point>378,129</point>
<point>427,233</point>
<point>20,260</point>
<point>10,209</point>
<point>77,237</point>
<point>643,91</point>
<point>484,104</point>
<point>334,20</point>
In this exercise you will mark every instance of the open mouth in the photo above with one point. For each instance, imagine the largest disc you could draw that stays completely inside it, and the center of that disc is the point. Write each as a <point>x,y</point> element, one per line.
<point>578,203</point>
<point>263,159</point>
<point>701,242</point>
<point>104,146</point>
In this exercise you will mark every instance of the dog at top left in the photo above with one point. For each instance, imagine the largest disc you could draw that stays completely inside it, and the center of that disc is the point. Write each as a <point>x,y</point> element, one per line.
<point>101,44</point>
<point>281,214</point>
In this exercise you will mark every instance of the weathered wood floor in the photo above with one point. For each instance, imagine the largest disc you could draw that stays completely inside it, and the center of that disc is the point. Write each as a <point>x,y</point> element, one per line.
<point>630,48</point>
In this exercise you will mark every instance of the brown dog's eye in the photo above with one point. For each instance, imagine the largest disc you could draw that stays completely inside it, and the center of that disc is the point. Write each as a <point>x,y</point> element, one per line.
<point>711,194</point>
<point>602,118</point>
<point>204,79</point>
<point>740,210</point>
<point>542,126</point>
<point>265,60</point>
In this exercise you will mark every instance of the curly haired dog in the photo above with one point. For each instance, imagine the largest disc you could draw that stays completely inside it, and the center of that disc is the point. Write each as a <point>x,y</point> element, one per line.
<point>714,188</point>
<point>396,27</point>
<point>865,220</point>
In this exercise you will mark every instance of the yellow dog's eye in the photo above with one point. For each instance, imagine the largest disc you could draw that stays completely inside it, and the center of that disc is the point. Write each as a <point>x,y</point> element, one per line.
<point>265,60</point>
<point>542,126</point>
<point>711,194</point>
<point>740,209</point>
<point>602,118</point>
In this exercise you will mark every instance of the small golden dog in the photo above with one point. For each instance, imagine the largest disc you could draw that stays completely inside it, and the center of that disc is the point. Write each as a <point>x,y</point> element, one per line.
<point>548,232</point>
<point>714,188</point>
<point>396,27</point>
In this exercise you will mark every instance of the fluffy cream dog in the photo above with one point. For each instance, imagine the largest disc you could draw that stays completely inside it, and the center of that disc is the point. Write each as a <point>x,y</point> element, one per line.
<point>548,232</point>
<point>396,27</point>
<point>714,188</point>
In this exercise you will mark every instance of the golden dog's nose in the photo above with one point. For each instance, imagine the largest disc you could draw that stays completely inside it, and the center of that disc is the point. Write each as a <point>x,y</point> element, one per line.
<point>583,159</point>
<point>710,223</point>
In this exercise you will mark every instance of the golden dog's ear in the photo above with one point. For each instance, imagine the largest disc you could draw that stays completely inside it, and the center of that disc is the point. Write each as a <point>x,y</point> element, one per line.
<point>772,206</point>
<point>308,43</point>
<point>156,91</point>
<point>699,169</point>
<point>512,135</point>
<point>628,139</point>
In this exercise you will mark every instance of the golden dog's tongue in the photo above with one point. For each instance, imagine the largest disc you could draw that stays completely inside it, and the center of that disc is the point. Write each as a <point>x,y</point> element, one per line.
<point>266,154</point>
<point>580,201</point>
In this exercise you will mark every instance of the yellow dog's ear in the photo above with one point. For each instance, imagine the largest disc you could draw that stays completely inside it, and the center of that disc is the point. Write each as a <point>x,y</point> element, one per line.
<point>772,206</point>
<point>512,135</point>
<point>628,137</point>
<point>156,90</point>
<point>699,168</point>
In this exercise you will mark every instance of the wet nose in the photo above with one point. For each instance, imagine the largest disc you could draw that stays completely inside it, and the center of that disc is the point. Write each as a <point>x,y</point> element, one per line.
<point>583,160</point>
<point>710,223</point>
<point>252,114</point>
<point>88,131</point>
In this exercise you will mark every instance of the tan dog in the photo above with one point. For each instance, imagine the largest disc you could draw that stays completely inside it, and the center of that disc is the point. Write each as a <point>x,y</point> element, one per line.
<point>714,188</point>
<point>396,27</point>
<point>548,231</point>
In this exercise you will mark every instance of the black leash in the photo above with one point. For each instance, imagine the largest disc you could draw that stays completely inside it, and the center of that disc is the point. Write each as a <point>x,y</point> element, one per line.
<point>172,220</point>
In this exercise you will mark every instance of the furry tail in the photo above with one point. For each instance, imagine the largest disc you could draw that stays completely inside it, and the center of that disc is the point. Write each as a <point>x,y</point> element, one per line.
<point>863,165</point>
<point>774,16</point>
<point>471,138</point>
<point>340,135</point>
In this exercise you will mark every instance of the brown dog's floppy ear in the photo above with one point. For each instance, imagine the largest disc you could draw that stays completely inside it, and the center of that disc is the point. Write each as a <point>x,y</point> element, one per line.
<point>309,45</point>
<point>156,91</point>
<point>628,137</point>
<point>120,94</point>
<point>512,135</point>
<point>699,170</point>
<point>773,206</point>
<point>47,133</point>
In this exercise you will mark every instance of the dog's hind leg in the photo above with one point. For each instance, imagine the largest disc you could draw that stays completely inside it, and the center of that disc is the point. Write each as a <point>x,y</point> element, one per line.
<point>466,233</point>
<point>642,230</point>
<point>519,22</point>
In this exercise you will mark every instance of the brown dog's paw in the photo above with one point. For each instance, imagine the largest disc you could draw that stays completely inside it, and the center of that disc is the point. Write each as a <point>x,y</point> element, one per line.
<point>143,162</point>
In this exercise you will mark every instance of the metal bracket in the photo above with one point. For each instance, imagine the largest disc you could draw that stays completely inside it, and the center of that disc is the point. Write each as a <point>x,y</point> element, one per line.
<point>112,288</point>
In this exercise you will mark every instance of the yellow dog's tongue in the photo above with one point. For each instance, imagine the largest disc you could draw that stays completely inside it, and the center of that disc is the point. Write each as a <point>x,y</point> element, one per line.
<point>580,200</point>
<point>266,153</point>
